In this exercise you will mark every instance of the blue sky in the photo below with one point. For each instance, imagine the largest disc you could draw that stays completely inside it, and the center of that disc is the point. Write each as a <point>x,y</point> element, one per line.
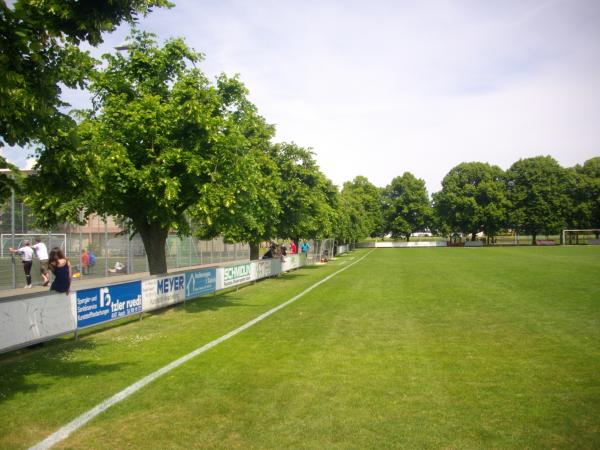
<point>383,87</point>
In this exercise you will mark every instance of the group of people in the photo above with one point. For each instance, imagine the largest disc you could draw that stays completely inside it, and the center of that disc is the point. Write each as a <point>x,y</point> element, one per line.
<point>280,250</point>
<point>88,260</point>
<point>55,262</point>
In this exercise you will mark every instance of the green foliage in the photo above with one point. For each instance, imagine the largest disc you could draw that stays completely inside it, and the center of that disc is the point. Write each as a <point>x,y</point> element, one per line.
<point>161,145</point>
<point>473,199</point>
<point>407,207</point>
<point>538,192</point>
<point>585,195</point>
<point>306,196</point>
<point>367,201</point>
<point>38,52</point>
<point>10,179</point>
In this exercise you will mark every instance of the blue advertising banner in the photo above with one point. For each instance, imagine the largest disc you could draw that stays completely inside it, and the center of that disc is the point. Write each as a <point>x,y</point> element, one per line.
<point>200,282</point>
<point>106,303</point>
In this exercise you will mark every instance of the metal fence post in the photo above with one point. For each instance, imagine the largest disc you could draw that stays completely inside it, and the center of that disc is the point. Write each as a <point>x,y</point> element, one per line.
<point>129,268</point>
<point>12,237</point>
<point>105,247</point>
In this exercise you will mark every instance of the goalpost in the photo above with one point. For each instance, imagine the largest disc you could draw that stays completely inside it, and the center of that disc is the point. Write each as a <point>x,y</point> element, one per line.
<point>50,239</point>
<point>579,237</point>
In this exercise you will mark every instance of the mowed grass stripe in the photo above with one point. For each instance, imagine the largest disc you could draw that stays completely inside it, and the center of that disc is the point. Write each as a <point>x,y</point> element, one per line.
<point>44,388</point>
<point>83,419</point>
<point>423,348</point>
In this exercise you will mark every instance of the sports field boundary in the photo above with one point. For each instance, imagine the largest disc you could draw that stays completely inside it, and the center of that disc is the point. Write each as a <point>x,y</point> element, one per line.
<point>84,418</point>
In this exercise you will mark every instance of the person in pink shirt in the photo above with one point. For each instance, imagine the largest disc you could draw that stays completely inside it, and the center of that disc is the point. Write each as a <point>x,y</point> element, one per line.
<point>293,248</point>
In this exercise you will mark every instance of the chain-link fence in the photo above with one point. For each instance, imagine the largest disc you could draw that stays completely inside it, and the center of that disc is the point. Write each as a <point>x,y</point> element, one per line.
<point>114,253</point>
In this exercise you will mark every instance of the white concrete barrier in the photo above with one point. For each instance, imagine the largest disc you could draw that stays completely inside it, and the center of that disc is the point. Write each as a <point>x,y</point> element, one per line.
<point>28,320</point>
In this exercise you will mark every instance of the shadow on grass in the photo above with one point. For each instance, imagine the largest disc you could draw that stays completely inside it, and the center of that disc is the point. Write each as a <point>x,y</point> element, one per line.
<point>43,366</point>
<point>227,299</point>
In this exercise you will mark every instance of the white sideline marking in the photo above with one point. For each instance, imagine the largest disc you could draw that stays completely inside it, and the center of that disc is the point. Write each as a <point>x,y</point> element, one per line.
<point>84,418</point>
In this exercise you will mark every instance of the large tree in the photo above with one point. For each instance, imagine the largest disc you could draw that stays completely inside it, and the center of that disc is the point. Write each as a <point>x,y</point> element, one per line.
<point>368,200</point>
<point>306,196</point>
<point>162,144</point>
<point>407,206</point>
<point>254,211</point>
<point>39,53</point>
<point>538,192</point>
<point>473,199</point>
<point>585,195</point>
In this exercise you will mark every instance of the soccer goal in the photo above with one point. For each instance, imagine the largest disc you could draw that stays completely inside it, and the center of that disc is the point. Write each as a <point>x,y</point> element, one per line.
<point>581,237</point>
<point>51,240</point>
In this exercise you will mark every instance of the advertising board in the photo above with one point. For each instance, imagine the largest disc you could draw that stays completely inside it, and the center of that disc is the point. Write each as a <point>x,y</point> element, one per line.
<point>106,303</point>
<point>200,282</point>
<point>164,291</point>
<point>265,268</point>
<point>240,273</point>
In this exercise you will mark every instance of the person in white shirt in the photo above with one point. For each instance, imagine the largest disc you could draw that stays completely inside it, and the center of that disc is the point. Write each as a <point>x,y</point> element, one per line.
<point>41,251</point>
<point>26,254</point>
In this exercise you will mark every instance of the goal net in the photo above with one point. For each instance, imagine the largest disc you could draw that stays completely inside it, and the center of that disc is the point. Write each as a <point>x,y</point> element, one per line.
<point>51,240</point>
<point>581,237</point>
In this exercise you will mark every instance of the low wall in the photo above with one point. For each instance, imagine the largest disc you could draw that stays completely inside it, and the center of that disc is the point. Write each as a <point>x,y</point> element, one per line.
<point>392,244</point>
<point>28,320</point>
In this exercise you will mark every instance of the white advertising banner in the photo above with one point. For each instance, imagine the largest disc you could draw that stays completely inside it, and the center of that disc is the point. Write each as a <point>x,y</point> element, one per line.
<point>35,319</point>
<point>237,274</point>
<point>267,268</point>
<point>160,292</point>
<point>290,262</point>
<point>390,244</point>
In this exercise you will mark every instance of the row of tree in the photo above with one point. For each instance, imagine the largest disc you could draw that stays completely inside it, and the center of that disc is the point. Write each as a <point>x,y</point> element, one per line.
<point>534,196</point>
<point>163,148</point>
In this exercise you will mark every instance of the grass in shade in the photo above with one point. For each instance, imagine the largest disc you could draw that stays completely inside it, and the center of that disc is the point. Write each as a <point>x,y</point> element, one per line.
<point>409,348</point>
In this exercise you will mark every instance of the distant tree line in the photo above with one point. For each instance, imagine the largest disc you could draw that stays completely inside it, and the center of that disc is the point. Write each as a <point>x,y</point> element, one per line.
<point>163,149</point>
<point>535,196</point>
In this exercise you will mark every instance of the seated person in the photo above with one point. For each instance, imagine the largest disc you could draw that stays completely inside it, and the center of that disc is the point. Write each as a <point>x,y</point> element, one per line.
<point>119,268</point>
<point>270,253</point>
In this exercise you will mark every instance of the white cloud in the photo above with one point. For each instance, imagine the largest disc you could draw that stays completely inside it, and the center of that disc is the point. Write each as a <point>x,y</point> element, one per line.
<point>384,87</point>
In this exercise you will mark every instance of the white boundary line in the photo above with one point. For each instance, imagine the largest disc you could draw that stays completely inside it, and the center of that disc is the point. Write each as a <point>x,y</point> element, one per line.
<point>84,418</point>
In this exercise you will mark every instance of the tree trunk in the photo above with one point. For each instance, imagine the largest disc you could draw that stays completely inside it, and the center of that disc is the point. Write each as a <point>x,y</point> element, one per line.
<point>533,239</point>
<point>154,237</point>
<point>407,237</point>
<point>473,236</point>
<point>254,250</point>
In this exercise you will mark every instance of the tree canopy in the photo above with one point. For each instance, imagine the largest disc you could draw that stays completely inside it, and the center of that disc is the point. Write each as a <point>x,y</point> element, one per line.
<point>162,144</point>
<point>305,195</point>
<point>537,190</point>
<point>39,51</point>
<point>473,199</point>
<point>407,206</point>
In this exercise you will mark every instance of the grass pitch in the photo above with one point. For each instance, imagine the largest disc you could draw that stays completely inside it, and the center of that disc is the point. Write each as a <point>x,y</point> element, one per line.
<point>410,348</point>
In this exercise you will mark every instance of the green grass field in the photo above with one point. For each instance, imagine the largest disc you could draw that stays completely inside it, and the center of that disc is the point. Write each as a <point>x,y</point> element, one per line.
<point>409,348</point>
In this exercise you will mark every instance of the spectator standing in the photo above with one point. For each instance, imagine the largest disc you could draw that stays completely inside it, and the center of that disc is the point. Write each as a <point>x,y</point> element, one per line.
<point>61,267</point>
<point>41,252</point>
<point>26,254</point>
<point>305,247</point>
<point>92,259</point>
<point>293,248</point>
<point>85,262</point>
